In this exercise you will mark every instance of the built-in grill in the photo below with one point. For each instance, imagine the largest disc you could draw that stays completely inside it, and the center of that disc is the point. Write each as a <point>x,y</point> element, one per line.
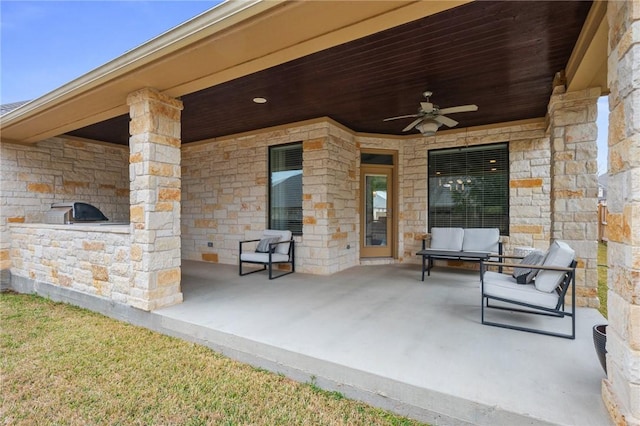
<point>74,212</point>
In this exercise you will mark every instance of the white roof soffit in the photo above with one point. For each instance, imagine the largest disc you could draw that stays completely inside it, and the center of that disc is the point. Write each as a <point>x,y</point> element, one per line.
<point>587,66</point>
<point>235,38</point>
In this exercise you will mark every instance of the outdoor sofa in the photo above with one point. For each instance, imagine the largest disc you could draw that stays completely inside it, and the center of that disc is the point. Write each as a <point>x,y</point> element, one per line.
<point>465,244</point>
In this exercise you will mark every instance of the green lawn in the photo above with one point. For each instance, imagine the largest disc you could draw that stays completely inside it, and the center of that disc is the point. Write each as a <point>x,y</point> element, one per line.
<point>68,366</point>
<point>602,277</point>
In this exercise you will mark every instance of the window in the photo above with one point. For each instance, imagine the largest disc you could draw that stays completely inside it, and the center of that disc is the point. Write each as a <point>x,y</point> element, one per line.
<point>285,188</point>
<point>469,187</point>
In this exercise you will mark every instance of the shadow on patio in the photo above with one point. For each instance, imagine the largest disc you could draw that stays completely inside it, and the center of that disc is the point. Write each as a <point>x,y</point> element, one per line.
<point>379,334</point>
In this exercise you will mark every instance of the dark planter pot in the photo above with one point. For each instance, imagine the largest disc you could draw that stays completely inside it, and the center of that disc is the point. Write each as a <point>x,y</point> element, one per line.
<point>600,343</point>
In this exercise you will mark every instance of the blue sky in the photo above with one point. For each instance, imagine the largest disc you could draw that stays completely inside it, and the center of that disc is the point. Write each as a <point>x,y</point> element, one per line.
<point>45,44</point>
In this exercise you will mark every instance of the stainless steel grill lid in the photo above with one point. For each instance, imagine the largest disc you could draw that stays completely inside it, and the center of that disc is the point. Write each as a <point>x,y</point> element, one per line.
<point>74,212</point>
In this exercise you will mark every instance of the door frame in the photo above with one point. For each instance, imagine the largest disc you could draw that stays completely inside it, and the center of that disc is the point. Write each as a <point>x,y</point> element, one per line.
<point>392,221</point>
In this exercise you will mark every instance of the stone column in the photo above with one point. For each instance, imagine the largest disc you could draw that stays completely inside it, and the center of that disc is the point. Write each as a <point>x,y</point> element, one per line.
<point>621,388</point>
<point>574,183</point>
<point>154,165</point>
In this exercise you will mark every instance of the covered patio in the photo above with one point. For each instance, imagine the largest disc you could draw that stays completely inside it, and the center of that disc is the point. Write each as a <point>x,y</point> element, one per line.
<point>170,139</point>
<point>379,334</point>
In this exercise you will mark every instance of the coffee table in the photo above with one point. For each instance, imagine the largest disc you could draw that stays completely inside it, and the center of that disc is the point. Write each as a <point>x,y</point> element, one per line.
<point>429,254</point>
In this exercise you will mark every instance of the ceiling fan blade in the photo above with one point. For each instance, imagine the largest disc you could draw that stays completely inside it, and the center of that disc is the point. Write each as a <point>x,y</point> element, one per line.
<point>412,125</point>
<point>402,116</point>
<point>427,107</point>
<point>446,121</point>
<point>461,108</point>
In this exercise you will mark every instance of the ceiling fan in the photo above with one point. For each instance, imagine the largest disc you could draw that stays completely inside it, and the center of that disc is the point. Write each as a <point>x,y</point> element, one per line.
<point>430,117</point>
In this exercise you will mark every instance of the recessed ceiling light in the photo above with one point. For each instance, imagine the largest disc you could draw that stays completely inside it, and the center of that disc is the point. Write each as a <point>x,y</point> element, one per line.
<point>260,100</point>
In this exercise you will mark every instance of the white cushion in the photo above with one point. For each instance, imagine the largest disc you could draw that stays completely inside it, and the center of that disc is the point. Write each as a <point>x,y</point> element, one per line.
<point>497,276</point>
<point>446,238</point>
<point>559,254</point>
<point>481,239</point>
<point>264,257</point>
<point>504,286</point>
<point>284,236</point>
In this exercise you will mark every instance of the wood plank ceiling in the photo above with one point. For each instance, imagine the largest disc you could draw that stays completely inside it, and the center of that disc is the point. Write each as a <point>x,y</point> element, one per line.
<point>499,55</point>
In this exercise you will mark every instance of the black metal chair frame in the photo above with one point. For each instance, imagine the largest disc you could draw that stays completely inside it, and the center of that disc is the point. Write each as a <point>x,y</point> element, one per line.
<point>559,311</point>
<point>269,264</point>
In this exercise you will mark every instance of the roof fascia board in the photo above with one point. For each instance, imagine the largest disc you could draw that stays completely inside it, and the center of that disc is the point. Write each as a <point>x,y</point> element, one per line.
<point>587,66</point>
<point>222,16</point>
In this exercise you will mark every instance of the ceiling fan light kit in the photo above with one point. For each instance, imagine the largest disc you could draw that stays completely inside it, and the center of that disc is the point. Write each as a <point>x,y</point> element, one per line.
<point>431,117</point>
<point>428,127</point>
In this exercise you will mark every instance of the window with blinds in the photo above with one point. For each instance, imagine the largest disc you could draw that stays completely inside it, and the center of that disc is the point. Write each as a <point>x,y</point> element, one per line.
<point>469,187</point>
<point>285,188</point>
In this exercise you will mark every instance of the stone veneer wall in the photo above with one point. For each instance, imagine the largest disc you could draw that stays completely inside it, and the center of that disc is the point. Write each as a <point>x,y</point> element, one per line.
<point>224,196</point>
<point>224,188</point>
<point>90,259</point>
<point>529,157</point>
<point>224,200</point>
<point>59,170</point>
<point>621,388</point>
<point>155,182</point>
<point>330,203</point>
<point>574,194</point>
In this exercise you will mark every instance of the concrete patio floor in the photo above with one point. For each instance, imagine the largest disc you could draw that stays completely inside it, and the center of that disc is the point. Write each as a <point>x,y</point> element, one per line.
<point>379,334</point>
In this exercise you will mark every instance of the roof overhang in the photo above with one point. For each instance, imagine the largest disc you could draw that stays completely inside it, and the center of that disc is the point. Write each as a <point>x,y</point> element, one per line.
<point>587,66</point>
<point>175,62</point>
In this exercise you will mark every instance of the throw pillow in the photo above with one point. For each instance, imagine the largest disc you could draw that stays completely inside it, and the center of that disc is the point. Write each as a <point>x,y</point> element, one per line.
<point>526,275</point>
<point>263,245</point>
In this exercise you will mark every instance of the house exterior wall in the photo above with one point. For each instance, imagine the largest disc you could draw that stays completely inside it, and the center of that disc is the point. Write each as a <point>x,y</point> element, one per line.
<point>330,202</point>
<point>621,388</point>
<point>224,189</point>
<point>529,157</point>
<point>225,192</point>
<point>59,170</point>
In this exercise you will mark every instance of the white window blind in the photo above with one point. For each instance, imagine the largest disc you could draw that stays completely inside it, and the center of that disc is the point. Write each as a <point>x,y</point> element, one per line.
<point>285,188</point>
<point>469,187</point>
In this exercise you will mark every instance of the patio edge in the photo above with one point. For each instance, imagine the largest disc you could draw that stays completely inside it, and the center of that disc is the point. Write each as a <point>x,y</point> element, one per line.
<point>388,394</point>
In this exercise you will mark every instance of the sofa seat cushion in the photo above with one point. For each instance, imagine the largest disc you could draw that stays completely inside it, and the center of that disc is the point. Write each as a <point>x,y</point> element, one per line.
<point>264,257</point>
<point>446,239</point>
<point>481,239</point>
<point>504,286</point>
<point>559,255</point>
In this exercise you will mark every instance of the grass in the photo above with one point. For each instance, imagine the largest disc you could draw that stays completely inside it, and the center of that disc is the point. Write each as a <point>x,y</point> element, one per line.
<point>68,366</point>
<point>602,277</point>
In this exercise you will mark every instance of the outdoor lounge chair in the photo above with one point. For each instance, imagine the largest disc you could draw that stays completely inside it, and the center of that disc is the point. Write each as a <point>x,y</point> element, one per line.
<point>274,248</point>
<point>543,294</point>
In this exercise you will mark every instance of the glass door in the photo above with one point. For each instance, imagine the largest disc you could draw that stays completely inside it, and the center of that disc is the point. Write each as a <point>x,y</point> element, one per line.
<point>376,212</point>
